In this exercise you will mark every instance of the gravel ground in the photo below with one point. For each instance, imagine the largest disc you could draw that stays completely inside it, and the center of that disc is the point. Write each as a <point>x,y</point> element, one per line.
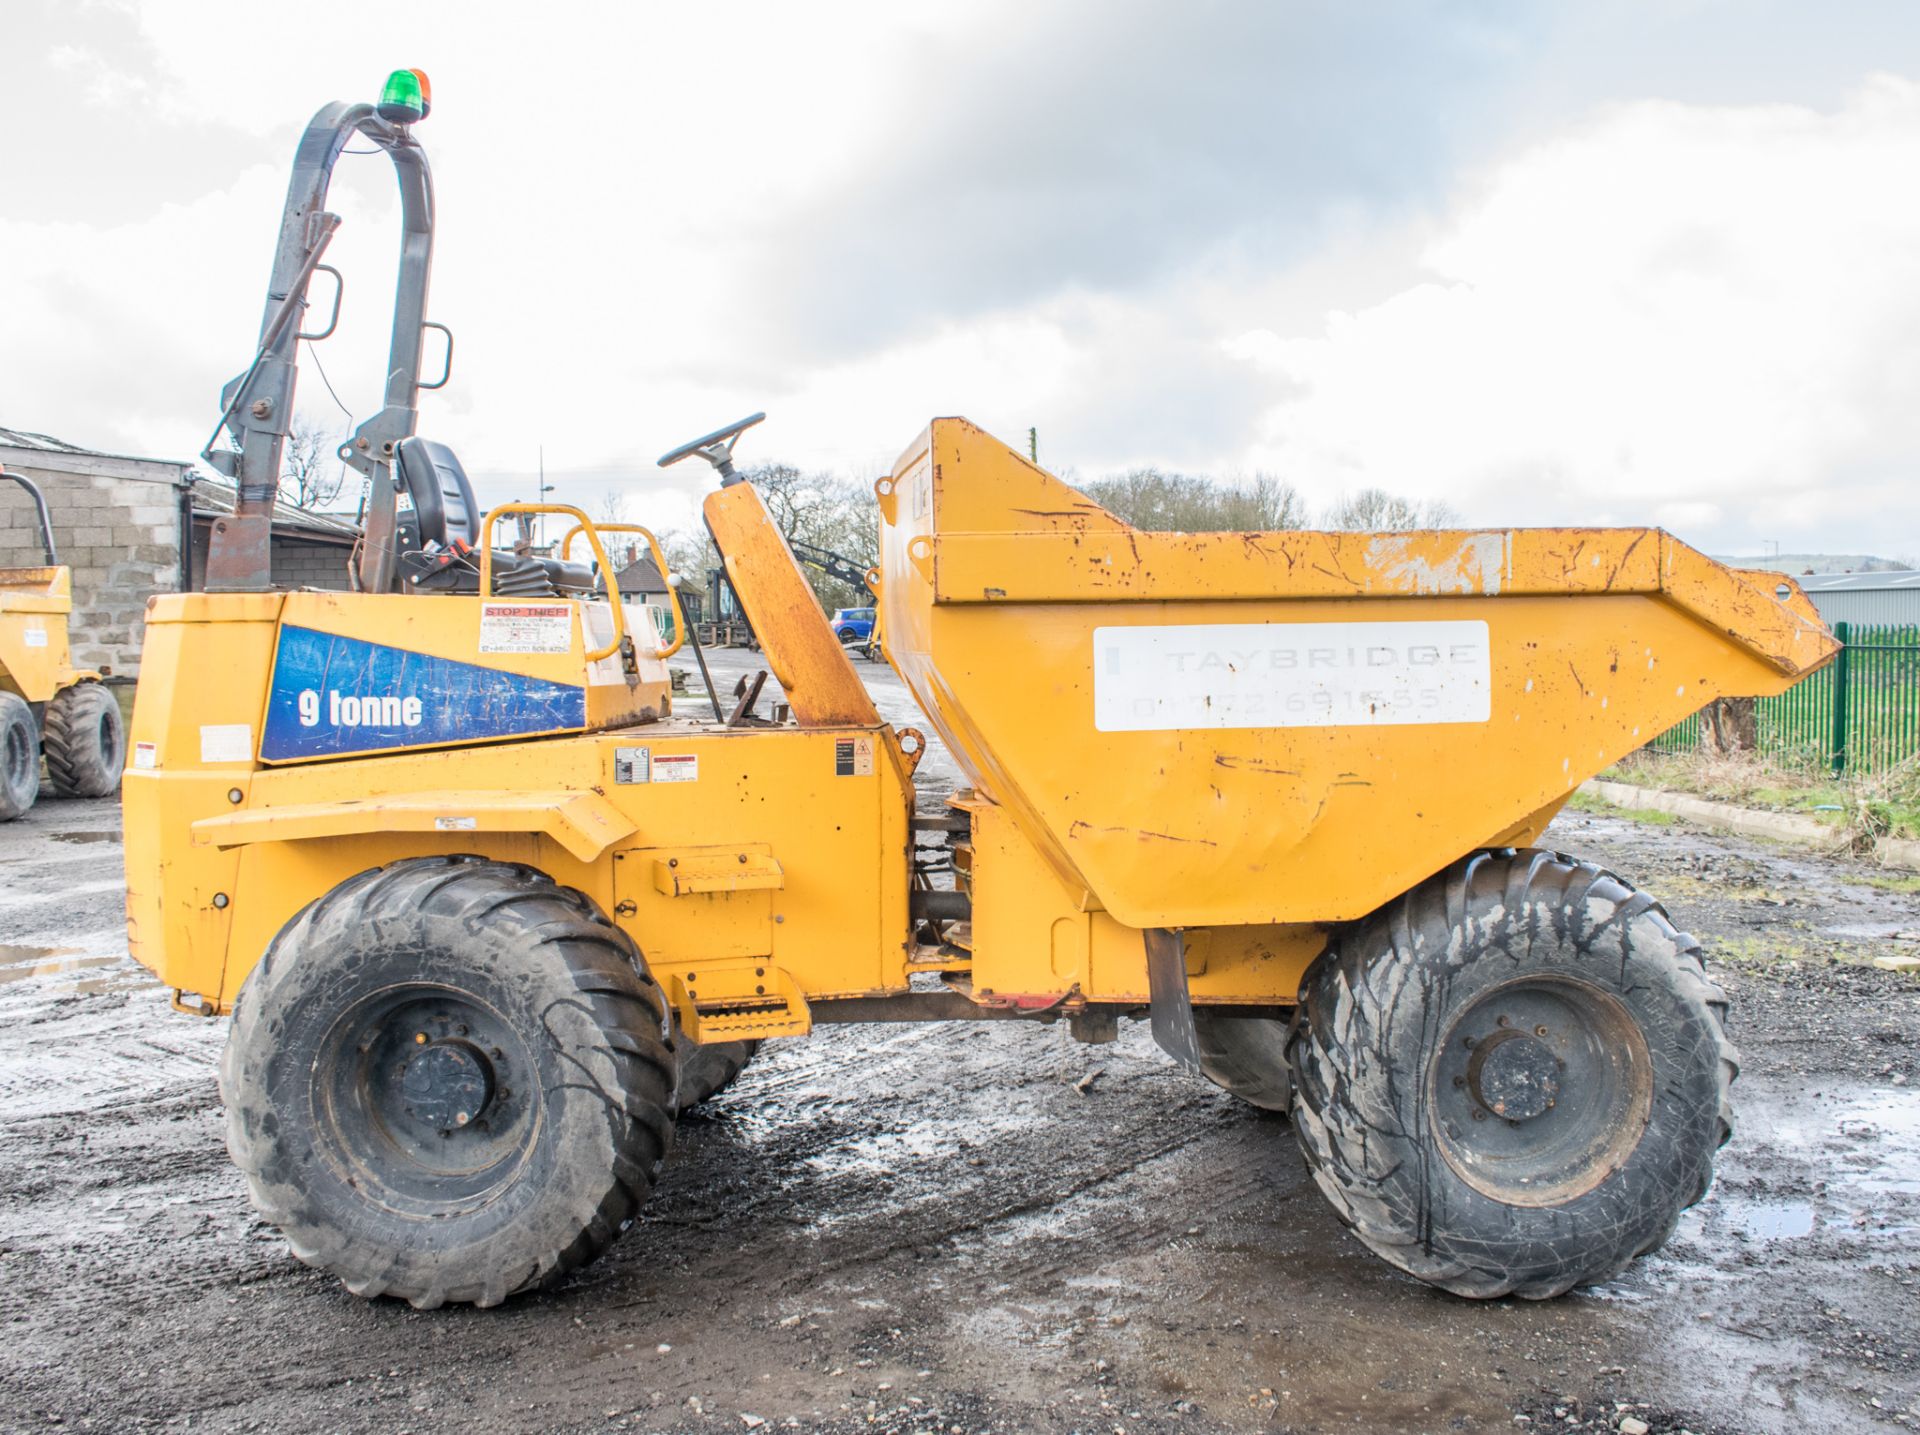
<point>937,1228</point>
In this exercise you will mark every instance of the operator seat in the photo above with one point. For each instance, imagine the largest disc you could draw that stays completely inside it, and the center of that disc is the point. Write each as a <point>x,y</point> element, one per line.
<point>446,516</point>
<point>444,508</point>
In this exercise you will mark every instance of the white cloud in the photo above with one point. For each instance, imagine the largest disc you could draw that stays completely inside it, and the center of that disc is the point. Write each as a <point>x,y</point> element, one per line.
<point>1706,317</point>
<point>657,218</point>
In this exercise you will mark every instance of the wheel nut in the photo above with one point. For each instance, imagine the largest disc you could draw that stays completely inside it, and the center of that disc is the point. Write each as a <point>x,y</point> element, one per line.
<point>1539,1031</point>
<point>1478,1114</point>
<point>419,1038</point>
<point>461,1118</point>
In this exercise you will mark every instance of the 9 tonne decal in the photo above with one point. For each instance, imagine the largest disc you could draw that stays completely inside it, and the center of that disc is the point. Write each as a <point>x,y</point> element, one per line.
<point>333,695</point>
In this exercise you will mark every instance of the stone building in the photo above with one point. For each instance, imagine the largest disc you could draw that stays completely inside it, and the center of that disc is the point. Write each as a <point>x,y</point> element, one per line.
<point>132,527</point>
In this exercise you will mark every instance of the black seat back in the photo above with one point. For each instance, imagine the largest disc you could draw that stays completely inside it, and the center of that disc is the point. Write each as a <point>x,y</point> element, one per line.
<point>444,508</point>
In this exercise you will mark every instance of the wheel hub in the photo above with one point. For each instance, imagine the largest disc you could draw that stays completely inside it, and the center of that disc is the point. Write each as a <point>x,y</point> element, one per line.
<point>446,1084</point>
<point>1540,1087</point>
<point>1514,1075</point>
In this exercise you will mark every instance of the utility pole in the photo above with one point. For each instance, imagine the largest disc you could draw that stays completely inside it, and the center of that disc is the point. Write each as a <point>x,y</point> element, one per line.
<point>1033,445</point>
<point>545,489</point>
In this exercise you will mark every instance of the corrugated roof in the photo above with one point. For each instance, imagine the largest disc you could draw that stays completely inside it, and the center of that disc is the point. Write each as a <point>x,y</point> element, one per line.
<point>47,443</point>
<point>212,496</point>
<point>1860,582</point>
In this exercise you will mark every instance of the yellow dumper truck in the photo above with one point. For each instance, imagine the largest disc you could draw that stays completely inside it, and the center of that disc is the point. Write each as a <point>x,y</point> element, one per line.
<point>48,707</point>
<point>487,907</point>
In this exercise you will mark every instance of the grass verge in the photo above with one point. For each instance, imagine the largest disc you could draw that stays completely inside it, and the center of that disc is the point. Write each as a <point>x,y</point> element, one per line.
<point>1883,805</point>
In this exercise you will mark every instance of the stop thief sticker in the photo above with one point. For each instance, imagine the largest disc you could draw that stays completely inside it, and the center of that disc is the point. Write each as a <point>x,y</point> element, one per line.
<point>526,628</point>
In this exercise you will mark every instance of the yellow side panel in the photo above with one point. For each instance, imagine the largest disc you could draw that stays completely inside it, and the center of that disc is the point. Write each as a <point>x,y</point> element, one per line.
<point>836,924</point>
<point>201,685</point>
<point>34,658</point>
<point>1032,945</point>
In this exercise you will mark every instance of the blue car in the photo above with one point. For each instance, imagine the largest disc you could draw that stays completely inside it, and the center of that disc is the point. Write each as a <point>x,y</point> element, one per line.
<point>853,626</point>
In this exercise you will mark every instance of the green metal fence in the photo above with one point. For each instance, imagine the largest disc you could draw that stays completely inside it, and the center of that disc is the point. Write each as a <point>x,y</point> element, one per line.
<point>1860,713</point>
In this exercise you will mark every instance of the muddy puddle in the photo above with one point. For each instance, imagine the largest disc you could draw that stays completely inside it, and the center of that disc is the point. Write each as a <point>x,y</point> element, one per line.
<point>72,971</point>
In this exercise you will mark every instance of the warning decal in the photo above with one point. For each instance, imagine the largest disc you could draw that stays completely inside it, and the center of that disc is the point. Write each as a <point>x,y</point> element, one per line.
<point>853,757</point>
<point>526,628</point>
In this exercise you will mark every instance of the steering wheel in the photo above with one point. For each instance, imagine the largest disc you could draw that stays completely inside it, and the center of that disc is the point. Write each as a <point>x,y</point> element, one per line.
<point>716,448</point>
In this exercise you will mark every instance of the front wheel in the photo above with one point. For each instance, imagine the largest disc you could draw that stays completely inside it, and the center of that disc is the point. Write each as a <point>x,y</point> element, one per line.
<point>1514,1078</point>
<point>85,745</point>
<point>449,1080</point>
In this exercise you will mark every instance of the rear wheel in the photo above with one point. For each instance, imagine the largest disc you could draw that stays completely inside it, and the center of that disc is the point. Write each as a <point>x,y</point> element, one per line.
<point>19,757</point>
<point>85,745</point>
<point>449,1080</point>
<point>1245,1056</point>
<point>707,1070</point>
<point>1514,1078</point>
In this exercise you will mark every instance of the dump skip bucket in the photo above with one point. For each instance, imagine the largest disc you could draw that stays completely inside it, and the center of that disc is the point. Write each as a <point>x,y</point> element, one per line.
<point>1202,729</point>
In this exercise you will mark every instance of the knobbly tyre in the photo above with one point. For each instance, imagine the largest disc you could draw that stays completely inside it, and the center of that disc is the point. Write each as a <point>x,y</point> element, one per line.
<point>1276,793</point>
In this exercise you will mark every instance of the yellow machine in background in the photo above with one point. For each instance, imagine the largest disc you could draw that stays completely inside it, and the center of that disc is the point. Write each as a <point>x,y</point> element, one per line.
<point>47,706</point>
<point>487,910</point>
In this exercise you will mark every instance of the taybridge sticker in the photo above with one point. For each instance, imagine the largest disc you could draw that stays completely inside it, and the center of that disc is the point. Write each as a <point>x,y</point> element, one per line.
<point>1240,675</point>
<point>335,695</point>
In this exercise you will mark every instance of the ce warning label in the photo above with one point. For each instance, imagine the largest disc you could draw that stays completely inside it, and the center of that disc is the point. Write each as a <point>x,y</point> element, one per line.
<point>1241,675</point>
<point>853,757</point>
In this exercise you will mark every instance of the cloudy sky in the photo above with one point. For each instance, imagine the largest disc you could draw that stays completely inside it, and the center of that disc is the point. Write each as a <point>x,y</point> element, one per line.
<point>1613,262</point>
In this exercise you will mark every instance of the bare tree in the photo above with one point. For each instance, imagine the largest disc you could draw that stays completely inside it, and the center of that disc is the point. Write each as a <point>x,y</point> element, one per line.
<point>1374,509</point>
<point>1161,502</point>
<point>837,514</point>
<point>311,474</point>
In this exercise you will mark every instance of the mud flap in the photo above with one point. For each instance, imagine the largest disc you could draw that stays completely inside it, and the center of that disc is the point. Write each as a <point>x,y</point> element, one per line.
<point>1172,1003</point>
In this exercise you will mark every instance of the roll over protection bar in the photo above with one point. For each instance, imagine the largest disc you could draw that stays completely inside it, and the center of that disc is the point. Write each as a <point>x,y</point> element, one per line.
<point>257,407</point>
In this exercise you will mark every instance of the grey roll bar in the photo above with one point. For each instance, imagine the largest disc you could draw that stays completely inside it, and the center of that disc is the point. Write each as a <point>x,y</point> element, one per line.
<point>40,506</point>
<point>257,407</point>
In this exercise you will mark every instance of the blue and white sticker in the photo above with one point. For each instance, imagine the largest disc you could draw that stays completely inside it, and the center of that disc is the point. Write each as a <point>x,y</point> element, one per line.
<point>335,695</point>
